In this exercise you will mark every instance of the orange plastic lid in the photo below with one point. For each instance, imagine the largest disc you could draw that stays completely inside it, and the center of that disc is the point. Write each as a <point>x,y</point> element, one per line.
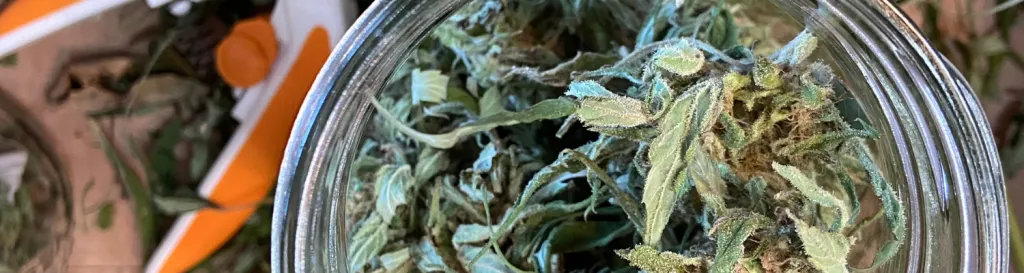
<point>244,57</point>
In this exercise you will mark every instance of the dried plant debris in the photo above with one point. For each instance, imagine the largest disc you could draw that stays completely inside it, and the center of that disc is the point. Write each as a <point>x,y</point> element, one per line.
<point>34,212</point>
<point>627,137</point>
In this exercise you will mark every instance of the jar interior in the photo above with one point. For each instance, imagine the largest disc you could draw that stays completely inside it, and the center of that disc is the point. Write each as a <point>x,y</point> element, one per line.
<point>767,24</point>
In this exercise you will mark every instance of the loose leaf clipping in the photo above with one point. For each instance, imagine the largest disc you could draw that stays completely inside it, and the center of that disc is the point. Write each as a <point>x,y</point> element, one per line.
<point>392,182</point>
<point>429,86</point>
<point>548,109</point>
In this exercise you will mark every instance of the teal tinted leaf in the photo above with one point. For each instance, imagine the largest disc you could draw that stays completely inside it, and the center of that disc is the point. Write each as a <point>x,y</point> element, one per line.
<point>472,233</point>
<point>649,259</point>
<point>430,163</point>
<point>489,261</point>
<point>730,232</point>
<point>429,86</point>
<point>810,189</point>
<point>560,75</point>
<point>548,109</point>
<point>891,204</point>
<point>827,251</point>
<point>392,183</point>
<point>687,118</point>
<point>766,74</point>
<point>797,50</point>
<point>657,21</point>
<point>105,216</point>
<point>174,205</point>
<point>586,89</point>
<point>476,191</point>
<point>576,236</point>
<point>617,112</point>
<point>682,59</point>
<point>851,194</point>
<point>485,161</point>
<point>367,242</point>
<point>428,259</point>
<point>490,103</point>
<point>394,260</point>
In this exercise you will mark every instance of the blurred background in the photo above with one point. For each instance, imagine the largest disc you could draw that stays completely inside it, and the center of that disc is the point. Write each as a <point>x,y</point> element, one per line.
<point>99,111</point>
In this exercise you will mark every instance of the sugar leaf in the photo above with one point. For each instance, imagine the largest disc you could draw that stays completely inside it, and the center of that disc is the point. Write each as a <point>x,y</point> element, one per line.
<point>766,74</point>
<point>392,183</point>
<point>707,180</point>
<point>730,232</point>
<point>649,259</point>
<point>810,189</point>
<point>548,109</point>
<point>428,86</point>
<point>797,50</point>
<point>689,116</point>
<point>827,250</point>
<point>367,242</point>
<point>682,59</point>
<point>559,76</point>
<point>617,112</point>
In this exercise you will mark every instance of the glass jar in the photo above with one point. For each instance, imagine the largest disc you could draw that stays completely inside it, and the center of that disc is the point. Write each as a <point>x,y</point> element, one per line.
<point>935,147</point>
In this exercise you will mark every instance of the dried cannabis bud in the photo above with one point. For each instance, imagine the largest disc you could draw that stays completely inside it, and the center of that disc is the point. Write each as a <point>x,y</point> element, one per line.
<point>697,155</point>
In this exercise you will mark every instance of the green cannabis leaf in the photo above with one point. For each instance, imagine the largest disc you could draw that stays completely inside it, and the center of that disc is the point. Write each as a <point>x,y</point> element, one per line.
<point>682,60</point>
<point>549,109</point>
<point>367,242</point>
<point>810,189</point>
<point>827,251</point>
<point>392,183</point>
<point>730,232</point>
<point>616,111</point>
